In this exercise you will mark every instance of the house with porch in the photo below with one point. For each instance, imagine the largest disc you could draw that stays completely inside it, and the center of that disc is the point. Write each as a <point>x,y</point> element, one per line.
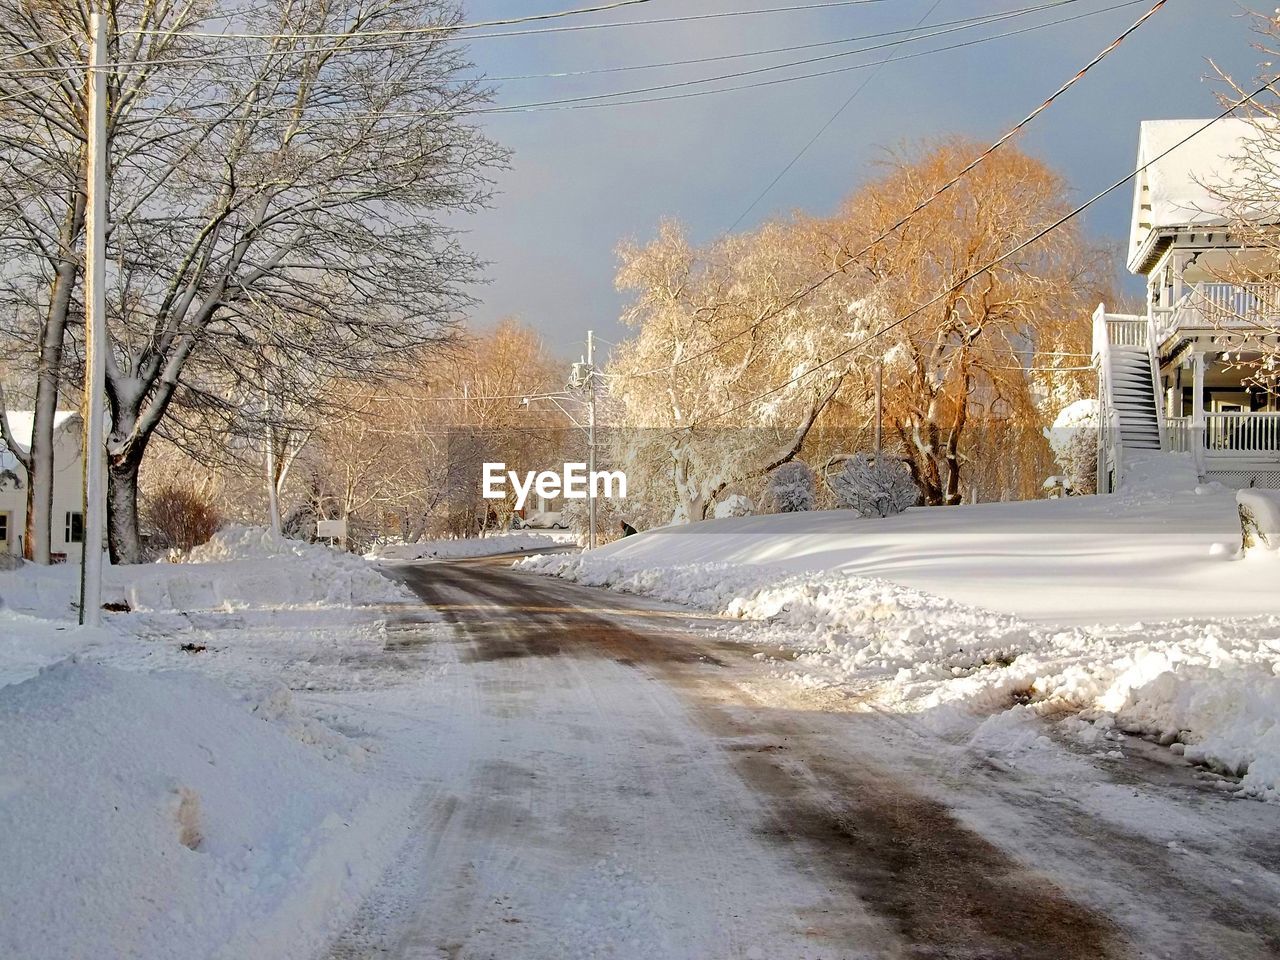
<point>1181,377</point>
<point>67,535</point>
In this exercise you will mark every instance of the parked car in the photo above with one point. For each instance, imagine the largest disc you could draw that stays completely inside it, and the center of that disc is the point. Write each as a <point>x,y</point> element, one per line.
<point>541,520</point>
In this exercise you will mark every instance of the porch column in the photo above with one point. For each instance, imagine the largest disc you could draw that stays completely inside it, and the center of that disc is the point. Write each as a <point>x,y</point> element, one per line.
<point>1197,410</point>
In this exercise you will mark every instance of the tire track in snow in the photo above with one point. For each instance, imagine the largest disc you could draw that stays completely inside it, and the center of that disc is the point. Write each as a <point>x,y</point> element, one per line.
<point>943,889</point>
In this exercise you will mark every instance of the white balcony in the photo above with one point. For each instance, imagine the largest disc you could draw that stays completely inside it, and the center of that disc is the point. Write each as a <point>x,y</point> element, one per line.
<point>1222,307</point>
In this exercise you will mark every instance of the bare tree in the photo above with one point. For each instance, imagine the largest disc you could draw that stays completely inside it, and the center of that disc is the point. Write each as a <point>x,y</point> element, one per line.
<point>307,173</point>
<point>1247,188</point>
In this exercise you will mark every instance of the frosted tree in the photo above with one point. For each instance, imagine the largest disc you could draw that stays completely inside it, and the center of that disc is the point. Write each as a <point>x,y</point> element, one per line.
<point>1074,441</point>
<point>790,488</point>
<point>718,329</point>
<point>1247,186</point>
<point>964,375</point>
<point>873,487</point>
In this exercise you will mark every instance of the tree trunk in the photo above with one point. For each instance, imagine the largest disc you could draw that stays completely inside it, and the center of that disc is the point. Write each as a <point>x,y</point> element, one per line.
<point>39,523</point>
<point>123,537</point>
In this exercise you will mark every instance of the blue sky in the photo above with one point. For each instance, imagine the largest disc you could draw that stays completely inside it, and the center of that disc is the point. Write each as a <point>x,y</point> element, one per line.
<point>583,180</point>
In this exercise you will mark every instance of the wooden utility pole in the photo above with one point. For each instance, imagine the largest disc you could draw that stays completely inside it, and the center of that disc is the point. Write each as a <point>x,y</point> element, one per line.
<point>591,440</point>
<point>95,339</point>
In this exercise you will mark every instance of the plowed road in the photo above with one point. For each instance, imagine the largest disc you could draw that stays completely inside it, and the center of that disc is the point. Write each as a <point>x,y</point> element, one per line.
<point>613,778</point>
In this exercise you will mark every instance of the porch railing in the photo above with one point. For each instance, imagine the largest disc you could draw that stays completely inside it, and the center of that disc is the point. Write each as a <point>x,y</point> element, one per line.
<point>1241,434</point>
<point>1228,304</point>
<point>1227,435</point>
<point>1178,431</point>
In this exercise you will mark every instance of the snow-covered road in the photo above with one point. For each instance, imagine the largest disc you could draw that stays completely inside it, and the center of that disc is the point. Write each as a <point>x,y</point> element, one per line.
<point>605,776</point>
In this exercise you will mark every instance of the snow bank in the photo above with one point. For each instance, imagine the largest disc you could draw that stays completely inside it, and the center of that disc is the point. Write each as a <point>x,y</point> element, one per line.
<point>150,816</point>
<point>1151,552</point>
<point>468,547</point>
<point>241,567</point>
<point>1209,688</point>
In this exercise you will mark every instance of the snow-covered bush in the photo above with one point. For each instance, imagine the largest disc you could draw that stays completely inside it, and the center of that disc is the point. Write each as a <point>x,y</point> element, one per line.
<point>735,505</point>
<point>300,523</point>
<point>790,489</point>
<point>874,488</point>
<point>1073,438</point>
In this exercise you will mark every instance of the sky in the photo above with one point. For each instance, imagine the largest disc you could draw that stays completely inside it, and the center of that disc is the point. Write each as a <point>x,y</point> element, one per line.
<point>583,180</point>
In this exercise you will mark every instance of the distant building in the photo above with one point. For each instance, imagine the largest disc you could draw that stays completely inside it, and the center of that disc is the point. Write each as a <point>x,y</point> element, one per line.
<point>66,542</point>
<point>1177,378</point>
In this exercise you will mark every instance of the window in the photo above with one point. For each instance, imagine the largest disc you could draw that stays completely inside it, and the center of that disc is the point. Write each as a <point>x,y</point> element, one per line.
<point>75,528</point>
<point>4,528</point>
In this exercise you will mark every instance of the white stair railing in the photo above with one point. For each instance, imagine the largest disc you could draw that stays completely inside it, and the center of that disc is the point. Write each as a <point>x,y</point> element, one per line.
<point>1127,333</point>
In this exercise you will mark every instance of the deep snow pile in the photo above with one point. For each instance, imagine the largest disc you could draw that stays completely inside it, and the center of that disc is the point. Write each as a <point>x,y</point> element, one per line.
<point>1208,687</point>
<point>1159,550</point>
<point>463,547</point>
<point>139,812</point>
<point>241,567</point>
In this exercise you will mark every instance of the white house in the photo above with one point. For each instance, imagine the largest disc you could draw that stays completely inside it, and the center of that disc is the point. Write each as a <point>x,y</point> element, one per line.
<point>1177,377</point>
<point>68,498</point>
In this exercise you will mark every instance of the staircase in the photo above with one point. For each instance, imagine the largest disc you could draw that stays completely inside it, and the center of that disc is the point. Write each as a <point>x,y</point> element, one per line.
<point>1130,419</point>
<point>1133,396</point>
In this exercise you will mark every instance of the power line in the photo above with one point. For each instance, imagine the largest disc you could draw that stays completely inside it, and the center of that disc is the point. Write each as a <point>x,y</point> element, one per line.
<point>592,101</point>
<point>947,27</point>
<point>511,21</point>
<point>1035,238</point>
<point>916,210</point>
<point>857,91</point>
<point>397,31</point>
<point>429,35</point>
<point>603,71</point>
<point>597,101</point>
<point>956,25</point>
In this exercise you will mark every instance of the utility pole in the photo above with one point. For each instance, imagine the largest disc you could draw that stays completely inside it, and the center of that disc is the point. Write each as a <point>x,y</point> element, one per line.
<point>273,494</point>
<point>591,440</point>
<point>879,406</point>
<point>95,339</point>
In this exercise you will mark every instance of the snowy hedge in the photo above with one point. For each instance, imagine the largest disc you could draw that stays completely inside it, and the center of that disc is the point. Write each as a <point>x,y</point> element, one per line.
<point>874,487</point>
<point>790,488</point>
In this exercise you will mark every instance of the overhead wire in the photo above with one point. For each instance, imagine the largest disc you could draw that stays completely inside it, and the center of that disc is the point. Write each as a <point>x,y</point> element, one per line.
<point>1029,241</point>
<point>928,200</point>
<point>799,155</point>
<point>511,21</point>
<point>792,48</point>
<point>597,101</point>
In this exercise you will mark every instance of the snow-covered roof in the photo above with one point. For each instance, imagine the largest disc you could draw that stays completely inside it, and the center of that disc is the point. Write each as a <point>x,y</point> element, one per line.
<point>1178,190</point>
<point>22,424</point>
